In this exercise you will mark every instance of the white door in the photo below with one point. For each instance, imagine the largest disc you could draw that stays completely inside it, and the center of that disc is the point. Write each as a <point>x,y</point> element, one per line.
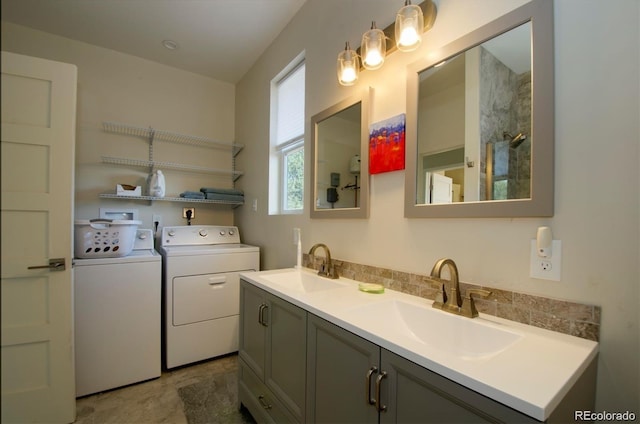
<point>441,189</point>
<point>38,138</point>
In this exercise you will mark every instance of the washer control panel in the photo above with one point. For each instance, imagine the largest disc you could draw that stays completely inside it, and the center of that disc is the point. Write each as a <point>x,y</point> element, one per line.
<point>192,235</point>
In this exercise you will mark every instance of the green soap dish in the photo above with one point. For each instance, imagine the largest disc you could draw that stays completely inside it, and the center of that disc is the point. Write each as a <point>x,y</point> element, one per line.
<point>371,288</point>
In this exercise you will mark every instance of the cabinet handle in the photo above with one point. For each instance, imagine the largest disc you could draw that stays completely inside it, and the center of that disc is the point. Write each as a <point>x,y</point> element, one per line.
<point>261,319</point>
<point>379,406</point>
<point>369,399</point>
<point>260,308</point>
<point>264,403</point>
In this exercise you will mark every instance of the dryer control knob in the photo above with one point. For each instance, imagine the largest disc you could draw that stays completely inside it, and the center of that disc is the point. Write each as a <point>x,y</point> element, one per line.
<point>142,236</point>
<point>222,233</point>
<point>171,233</point>
<point>203,233</point>
<point>231,232</point>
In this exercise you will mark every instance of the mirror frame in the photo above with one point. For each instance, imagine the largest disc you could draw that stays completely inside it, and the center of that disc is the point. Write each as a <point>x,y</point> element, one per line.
<point>360,212</point>
<point>541,200</point>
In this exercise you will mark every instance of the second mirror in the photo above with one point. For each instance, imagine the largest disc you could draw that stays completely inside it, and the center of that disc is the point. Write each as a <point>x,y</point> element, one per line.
<point>339,162</point>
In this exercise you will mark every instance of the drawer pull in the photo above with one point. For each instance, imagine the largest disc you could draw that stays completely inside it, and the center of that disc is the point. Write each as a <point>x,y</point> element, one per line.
<point>264,403</point>
<point>369,399</point>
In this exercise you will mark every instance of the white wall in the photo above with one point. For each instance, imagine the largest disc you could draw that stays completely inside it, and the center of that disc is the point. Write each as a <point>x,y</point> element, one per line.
<point>596,181</point>
<point>117,87</point>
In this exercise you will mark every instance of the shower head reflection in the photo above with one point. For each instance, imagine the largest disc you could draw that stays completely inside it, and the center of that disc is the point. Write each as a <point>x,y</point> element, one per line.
<point>514,141</point>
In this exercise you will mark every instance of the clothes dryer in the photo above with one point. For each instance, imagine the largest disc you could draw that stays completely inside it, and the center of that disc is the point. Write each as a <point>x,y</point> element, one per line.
<point>201,290</point>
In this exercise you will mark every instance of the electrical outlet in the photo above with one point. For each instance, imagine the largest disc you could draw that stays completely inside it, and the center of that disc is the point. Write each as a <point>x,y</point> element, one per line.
<point>546,268</point>
<point>193,212</point>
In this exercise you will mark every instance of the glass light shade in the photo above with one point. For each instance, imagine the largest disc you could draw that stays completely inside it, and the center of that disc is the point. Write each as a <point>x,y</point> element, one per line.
<point>374,48</point>
<point>348,66</point>
<point>409,27</point>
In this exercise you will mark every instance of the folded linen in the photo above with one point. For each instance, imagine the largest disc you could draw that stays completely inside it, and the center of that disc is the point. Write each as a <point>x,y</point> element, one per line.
<point>222,191</point>
<point>226,197</point>
<point>192,195</point>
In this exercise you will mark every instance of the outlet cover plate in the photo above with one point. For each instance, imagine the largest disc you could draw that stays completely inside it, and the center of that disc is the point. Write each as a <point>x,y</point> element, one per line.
<point>546,268</point>
<point>193,212</point>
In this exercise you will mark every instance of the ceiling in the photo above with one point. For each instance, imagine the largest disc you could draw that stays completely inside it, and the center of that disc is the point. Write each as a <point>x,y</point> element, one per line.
<point>220,39</point>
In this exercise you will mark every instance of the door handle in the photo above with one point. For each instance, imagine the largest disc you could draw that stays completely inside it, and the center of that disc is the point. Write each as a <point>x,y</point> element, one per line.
<point>379,406</point>
<point>261,310</point>
<point>369,399</point>
<point>57,264</point>
<point>262,320</point>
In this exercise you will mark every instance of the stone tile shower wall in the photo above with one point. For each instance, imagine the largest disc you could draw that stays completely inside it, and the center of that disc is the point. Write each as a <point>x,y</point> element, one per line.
<point>565,317</point>
<point>505,105</point>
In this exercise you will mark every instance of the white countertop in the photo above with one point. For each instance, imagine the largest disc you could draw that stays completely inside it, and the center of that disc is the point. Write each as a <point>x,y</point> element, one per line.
<point>531,375</point>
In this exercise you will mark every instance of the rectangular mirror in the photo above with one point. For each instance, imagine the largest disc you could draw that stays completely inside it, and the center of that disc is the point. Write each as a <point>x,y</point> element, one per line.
<point>339,160</point>
<point>480,134</point>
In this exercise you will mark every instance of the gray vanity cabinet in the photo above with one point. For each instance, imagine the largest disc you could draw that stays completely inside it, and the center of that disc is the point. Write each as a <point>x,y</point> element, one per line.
<point>337,362</point>
<point>413,394</point>
<point>297,367</point>
<point>272,356</point>
<point>345,370</point>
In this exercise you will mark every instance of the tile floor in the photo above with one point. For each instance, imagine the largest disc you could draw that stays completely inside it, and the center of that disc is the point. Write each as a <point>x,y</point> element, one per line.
<point>162,400</point>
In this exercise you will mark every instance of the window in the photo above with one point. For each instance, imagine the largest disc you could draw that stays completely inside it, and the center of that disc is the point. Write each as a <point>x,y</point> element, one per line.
<point>286,166</point>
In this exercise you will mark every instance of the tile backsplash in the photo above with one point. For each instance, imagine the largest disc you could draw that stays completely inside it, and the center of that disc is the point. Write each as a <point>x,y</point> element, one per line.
<point>562,316</point>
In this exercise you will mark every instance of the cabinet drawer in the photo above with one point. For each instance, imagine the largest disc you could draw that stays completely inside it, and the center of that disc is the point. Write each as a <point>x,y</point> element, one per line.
<point>258,399</point>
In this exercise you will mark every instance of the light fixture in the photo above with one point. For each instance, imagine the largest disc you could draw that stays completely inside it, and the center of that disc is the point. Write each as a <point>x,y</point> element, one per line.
<point>409,27</point>
<point>348,66</point>
<point>405,34</point>
<point>373,48</point>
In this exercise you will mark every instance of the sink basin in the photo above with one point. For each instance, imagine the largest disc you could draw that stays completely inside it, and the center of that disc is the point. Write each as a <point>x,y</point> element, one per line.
<point>464,337</point>
<point>302,282</point>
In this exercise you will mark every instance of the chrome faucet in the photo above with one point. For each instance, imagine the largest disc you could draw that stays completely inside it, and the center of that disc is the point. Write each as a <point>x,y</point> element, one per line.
<point>326,268</point>
<point>454,303</point>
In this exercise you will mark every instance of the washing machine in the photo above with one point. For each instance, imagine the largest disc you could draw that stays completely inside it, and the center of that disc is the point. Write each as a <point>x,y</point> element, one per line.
<point>117,303</point>
<point>201,290</point>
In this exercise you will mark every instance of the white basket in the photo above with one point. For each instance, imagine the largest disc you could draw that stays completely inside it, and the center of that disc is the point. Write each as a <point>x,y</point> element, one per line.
<point>104,238</point>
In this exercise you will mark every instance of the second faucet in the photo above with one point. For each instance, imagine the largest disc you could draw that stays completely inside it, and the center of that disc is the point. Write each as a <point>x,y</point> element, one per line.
<point>326,268</point>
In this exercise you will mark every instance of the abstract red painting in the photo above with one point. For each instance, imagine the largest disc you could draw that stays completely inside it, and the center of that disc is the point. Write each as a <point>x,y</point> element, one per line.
<point>386,145</point>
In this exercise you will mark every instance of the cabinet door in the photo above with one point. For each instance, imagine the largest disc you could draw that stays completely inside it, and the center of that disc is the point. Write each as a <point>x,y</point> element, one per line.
<point>286,353</point>
<point>252,331</point>
<point>337,366</point>
<point>413,394</point>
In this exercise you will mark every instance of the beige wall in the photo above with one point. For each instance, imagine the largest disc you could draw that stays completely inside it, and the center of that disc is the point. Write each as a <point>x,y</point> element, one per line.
<point>117,87</point>
<point>597,133</point>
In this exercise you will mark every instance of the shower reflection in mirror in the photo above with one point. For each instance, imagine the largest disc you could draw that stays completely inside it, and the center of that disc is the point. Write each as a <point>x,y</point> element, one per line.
<point>477,105</point>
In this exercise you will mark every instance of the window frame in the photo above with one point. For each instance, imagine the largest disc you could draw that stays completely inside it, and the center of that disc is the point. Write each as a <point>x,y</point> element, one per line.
<point>278,187</point>
<point>290,149</point>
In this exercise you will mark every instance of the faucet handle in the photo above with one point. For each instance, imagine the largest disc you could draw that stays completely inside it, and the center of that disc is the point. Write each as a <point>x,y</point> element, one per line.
<point>468,307</point>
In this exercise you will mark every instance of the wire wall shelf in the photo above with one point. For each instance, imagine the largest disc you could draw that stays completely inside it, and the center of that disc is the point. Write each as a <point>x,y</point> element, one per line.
<point>155,134</point>
<point>235,204</point>
<point>150,135</point>
<point>170,165</point>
